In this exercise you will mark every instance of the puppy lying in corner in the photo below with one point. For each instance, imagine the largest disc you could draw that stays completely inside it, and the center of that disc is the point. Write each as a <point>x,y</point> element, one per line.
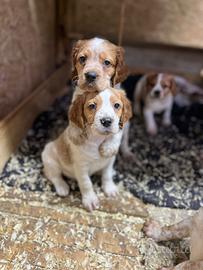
<point>155,92</point>
<point>191,226</point>
<point>78,153</point>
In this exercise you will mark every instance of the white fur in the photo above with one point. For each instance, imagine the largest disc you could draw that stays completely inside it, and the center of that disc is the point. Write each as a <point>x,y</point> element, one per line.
<point>153,105</point>
<point>96,43</point>
<point>86,157</point>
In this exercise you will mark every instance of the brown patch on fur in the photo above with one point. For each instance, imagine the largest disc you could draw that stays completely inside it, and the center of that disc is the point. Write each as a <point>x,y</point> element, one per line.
<point>90,113</point>
<point>116,70</point>
<point>64,149</point>
<point>168,82</point>
<point>80,112</point>
<point>80,139</point>
<point>116,99</point>
<point>121,70</point>
<point>125,113</point>
<point>75,50</point>
<point>76,112</point>
<point>151,80</point>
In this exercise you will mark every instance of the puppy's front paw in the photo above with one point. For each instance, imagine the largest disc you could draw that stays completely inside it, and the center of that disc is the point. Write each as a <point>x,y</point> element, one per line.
<point>152,131</point>
<point>166,122</point>
<point>107,150</point>
<point>152,229</point>
<point>62,189</point>
<point>110,189</point>
<point>90,201</point>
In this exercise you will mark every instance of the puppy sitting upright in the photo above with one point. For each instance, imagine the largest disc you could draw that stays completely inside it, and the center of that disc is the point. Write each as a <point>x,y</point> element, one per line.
<point>156,93</point>
<point>77,152</point>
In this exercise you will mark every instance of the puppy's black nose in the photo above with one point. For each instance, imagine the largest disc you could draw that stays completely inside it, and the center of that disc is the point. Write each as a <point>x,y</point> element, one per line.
<point>90,76</point>
<point>156,93</point>
<point>106,122</point>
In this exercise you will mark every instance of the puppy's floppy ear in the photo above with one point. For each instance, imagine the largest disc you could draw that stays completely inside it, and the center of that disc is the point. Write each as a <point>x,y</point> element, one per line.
<point>75,51</point>
<point>121,70</point>
<point>127,108</point>
<point>76,112</point>
<point>173,86</point>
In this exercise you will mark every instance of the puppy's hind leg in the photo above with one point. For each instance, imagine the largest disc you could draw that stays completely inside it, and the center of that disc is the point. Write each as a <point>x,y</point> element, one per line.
<point>53,171</point>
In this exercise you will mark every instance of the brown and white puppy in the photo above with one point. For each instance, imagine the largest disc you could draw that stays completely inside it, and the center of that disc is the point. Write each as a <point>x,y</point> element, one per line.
<point>79,152</point>
<point>191,226</point>
<point>98,64</point>
<point>156,93</point>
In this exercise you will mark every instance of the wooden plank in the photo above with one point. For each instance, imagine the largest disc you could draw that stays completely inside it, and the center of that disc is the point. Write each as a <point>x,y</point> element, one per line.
<point>41,231</point>
<point>178,22</point>
<point>38,234</point>
<point>182,61</point>
<point>14,127</point>
<point>125,203</point>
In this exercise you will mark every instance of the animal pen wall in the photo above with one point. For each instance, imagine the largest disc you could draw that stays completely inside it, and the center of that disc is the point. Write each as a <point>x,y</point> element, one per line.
<point>36,38</point>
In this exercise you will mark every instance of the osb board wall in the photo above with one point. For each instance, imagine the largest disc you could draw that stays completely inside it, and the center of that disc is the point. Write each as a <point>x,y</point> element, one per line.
<point>178,22</point>
<point>27,48</point>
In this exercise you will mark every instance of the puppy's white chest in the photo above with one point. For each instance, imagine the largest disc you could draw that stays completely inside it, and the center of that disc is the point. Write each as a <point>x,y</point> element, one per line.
<point>90,157</point>
<point>158,106</point>
<point>90,150</point>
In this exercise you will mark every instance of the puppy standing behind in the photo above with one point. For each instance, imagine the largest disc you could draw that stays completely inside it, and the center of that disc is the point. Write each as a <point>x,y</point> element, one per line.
<point>191,226</point>
<point>97,64</point>
<point>156,93</point>
<point>77,153</point>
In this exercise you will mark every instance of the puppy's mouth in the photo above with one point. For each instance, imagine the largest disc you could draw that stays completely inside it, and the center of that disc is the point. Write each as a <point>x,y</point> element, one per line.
<point>89,86</point>
<point>104,131</point>
<point>158,96</point>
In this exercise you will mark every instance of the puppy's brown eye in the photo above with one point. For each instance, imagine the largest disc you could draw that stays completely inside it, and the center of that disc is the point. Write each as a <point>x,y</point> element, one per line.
<point>107,63</point>
<point>82,59</point>
<point>152,84</point>
<point>117,105</point>
<point>92,106</point>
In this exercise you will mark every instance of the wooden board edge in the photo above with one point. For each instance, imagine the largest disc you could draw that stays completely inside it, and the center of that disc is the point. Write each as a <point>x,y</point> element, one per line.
<point>15,126</point>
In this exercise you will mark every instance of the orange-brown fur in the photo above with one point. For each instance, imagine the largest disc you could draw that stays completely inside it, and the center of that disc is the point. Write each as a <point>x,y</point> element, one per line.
<point>117,70</point>
<point>81,115</point>
<point>64,148</point>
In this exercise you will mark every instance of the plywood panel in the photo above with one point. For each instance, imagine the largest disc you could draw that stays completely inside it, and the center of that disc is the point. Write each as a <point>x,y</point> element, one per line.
<point>14,127</point>
<point>27,48</point>
<point>41,231</point>
<point>168,22</point>
<point>187,62</point>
